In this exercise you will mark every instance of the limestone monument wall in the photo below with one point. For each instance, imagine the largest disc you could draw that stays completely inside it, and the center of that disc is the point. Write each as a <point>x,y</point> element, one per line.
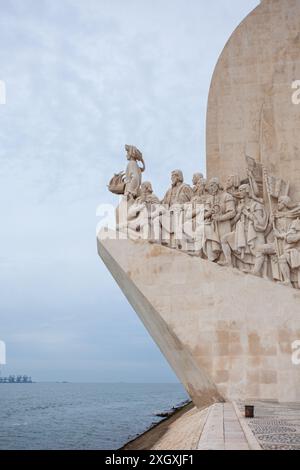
<point>226,335</point>
<point>250,108</point>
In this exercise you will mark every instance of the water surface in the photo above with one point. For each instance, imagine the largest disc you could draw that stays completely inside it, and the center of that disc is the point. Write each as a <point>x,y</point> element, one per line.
<point>80,416</point>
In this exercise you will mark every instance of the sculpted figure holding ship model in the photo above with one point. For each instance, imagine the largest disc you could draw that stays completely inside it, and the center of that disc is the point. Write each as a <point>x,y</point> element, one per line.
<point>133,174</point>
<point>128,183</point>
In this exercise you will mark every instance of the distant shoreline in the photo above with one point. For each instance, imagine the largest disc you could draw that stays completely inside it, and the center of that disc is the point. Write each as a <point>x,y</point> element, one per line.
<point>152,435</point>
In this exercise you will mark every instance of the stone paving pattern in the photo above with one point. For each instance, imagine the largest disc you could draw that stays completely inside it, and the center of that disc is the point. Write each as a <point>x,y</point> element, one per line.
<point>223,426</point>
<point>276,426</point>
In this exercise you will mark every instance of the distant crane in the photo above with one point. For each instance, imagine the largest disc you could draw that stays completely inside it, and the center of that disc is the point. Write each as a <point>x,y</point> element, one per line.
<point>19,379</point>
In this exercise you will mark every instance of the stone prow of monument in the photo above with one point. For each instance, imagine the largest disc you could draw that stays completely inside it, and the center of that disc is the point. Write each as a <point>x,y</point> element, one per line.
<point>226,334</point>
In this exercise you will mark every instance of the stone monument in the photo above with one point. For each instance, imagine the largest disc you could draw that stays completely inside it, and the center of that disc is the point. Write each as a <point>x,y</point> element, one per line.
<point>250,107</point>
<point>213,268</point>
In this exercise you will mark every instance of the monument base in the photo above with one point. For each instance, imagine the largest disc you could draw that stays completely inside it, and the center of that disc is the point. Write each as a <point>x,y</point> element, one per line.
<point>227,335</point>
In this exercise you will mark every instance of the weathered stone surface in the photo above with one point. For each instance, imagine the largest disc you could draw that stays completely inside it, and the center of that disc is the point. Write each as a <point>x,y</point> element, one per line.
<point>225,334</point>
<point>141,283</point>
<point>250,108</point>
<point>184,433</point>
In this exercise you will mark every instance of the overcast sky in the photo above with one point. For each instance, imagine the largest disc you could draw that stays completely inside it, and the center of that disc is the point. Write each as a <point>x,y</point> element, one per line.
<point>84,77</point>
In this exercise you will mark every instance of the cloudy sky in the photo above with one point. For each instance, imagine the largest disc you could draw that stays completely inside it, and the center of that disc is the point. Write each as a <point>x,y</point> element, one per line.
<point>84,77</point>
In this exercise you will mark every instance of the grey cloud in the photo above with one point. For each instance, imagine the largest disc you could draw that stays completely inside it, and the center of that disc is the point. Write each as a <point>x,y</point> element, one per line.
<point>83,78</point>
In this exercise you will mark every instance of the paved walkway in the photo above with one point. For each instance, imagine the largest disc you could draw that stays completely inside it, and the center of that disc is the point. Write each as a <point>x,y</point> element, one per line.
<point>223,430</point>
<point>276,426</point>
<point>223,426</point>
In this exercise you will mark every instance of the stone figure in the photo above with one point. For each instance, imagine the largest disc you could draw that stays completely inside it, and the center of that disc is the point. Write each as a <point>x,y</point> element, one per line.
<point>171,213</point>
<point>254,179</point>
<point>229,225</point>
<point>180,192</point>
<point>140,212</point>
<point>133,173</point>
<point>199,188</point>
<point>219,211</point>
<point>232,185</point>
<point>278,225</point>
<point>290,260</point>
<point>192,231</point>
<point>250,223</point>
<point>193,218</point>
<point>146,194</point>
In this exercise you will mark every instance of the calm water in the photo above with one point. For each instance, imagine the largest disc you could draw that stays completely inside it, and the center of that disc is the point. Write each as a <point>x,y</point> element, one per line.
<point>80,416</point>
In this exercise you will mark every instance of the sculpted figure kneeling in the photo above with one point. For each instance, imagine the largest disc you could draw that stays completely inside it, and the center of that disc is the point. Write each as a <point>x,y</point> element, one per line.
<point>140,212</point>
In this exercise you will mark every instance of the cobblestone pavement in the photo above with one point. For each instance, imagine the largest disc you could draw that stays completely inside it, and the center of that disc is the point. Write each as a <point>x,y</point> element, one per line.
<point>276,426</point>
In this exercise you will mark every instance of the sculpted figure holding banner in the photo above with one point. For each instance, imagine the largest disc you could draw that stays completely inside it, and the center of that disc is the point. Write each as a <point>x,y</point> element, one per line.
<point>251,223</point>
<point>218,213</point>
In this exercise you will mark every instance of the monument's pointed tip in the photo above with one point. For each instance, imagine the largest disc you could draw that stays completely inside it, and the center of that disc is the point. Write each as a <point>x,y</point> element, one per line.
<point>218,340</point>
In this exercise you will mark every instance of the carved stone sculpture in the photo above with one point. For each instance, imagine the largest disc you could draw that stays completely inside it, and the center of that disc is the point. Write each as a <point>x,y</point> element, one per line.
<point>146,194</point>
<point>199,188</point>
<point>290,260</point>
<point>219,211</point>
<point>139,212</point>
<point>250,223</point>
<point>117,183</point>
<point>180,192</point>
<point>278,225</point>
<point>234,226</point>
<point>232,185</point>
<point>133,174</point>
